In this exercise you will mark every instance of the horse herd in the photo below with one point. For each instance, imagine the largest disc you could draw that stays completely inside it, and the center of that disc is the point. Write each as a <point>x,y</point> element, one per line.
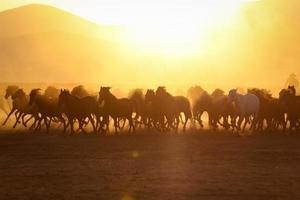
<point>154,109</point>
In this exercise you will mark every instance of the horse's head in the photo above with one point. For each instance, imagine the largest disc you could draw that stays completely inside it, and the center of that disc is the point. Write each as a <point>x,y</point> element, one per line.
<point>292,90</point>
<point>136,95</point>
<point>285,95</point>
<point>150,95</point>
<point>18,94</point>
<point>104,94</point>
<point>10,90</point>
<point>62,98</point>
<point>33,94</point>
<point>217,93</point>
<point>232,95</point>
<point>161,91</point>
<point>80,91</point>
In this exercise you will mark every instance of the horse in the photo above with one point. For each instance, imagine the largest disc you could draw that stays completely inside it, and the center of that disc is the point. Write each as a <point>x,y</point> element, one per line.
<point>270,111</point>
<point>52,93</point>
<point>116,108</point>
<point>201,105</point>
<point>221,109</point>
<point>291,102</point>
<point>78,108</point>
<point>48,108</point>
<point>173,106</point>
<point>80,91</point>
<point>9,92</point>
<point>154,116</point>
<point>217,106</point>
<point>138,99</point>
<point>247,105</point>
<point>20,107</point>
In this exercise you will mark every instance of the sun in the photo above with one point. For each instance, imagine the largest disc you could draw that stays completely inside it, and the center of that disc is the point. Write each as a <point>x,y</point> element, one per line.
<point>180,31</point>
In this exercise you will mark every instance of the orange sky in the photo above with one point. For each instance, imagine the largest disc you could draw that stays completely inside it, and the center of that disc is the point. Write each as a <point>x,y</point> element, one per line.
<point>218,44</point>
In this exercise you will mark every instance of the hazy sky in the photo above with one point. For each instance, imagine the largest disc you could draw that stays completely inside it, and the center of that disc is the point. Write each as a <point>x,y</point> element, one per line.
<point>126,11</point>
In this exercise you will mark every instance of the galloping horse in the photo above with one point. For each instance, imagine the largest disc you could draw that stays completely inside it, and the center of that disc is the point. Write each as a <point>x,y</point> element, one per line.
<point>46,107</point>
<point>270,111</point>
<point>291,102</point>
<point>173,106</point>
<point>153,114</point>
<point>116,108</point>
<point>247,105</point>
<point>9,92</point>
<point>201,105</point>
<point>79,109</point>
<point>138,99</point>
<point>21,107</point>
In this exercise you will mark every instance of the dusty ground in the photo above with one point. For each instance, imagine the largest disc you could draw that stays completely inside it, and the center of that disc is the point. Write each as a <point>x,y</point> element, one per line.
<point>191,166</point>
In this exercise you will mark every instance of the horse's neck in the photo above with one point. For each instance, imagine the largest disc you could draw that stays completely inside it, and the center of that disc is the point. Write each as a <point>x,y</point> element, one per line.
<point>240,101</point>
<point>110,100</point>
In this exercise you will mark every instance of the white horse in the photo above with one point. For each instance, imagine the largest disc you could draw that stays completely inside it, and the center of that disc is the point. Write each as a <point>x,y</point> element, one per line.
<point>247,105</point>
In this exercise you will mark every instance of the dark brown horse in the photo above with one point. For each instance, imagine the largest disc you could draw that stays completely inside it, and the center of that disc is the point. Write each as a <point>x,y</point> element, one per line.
<point>173,106</point>
<point>291,102</point>
<point>78,108</point>
<point>21,108</point>
<point>154,116</point>
<point>116,108</point>
<point>270,110</point>
<point>47,108</point>
<point>139,105</point>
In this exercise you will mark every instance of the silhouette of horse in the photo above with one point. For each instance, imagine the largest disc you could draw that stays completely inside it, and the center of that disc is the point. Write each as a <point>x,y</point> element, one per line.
<point>9,92</point>
<point>270,111</point>
<point>202,104</point>
<point>291,102</point>
<point>116,108</point>
<point>48,108</point>
<point>78,108</point>
<point>80,91</point>
<point>20,107</point>
<point>138,99</point>
<point>217,107</point>
<point>52,93</point>
<point>173,106</point>
<point>247,106</point>
<point>221,109</point>
<point>154,116</point>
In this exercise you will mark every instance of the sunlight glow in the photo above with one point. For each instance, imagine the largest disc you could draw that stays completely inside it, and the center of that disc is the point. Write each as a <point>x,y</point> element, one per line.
<point>180,32</point>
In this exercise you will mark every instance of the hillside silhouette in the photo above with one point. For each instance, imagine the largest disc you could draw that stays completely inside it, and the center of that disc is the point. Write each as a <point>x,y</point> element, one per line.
<point>48,38</point>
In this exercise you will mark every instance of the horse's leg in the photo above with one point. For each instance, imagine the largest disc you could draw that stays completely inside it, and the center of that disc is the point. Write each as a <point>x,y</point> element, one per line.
<point>93,123</point>
<point>239,123</point>
<point>64,122</point>
<point>186,118</point>
<point>71,122</point>
<point>8,116</point>
<point>26,121</point>
<point>36,117</point>
<point>245,124</point>
<point>48,125</point>
<point>16,115</point>
<point>131,124</point>
<point>116,124</point>
<point>18,118</point>
<point>177,122</point>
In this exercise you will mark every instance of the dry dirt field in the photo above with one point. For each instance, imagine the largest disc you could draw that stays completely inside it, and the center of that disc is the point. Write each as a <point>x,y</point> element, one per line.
<point>138,167</point>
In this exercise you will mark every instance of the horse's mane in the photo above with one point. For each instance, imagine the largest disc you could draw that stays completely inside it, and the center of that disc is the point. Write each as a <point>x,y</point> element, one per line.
<point>136,94</point>
<point>162,92</point>
<point>51,92</point>
<point>80,91</point>
<point>261,93</point>
<point>19,93</point>
<point>218,93</point>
